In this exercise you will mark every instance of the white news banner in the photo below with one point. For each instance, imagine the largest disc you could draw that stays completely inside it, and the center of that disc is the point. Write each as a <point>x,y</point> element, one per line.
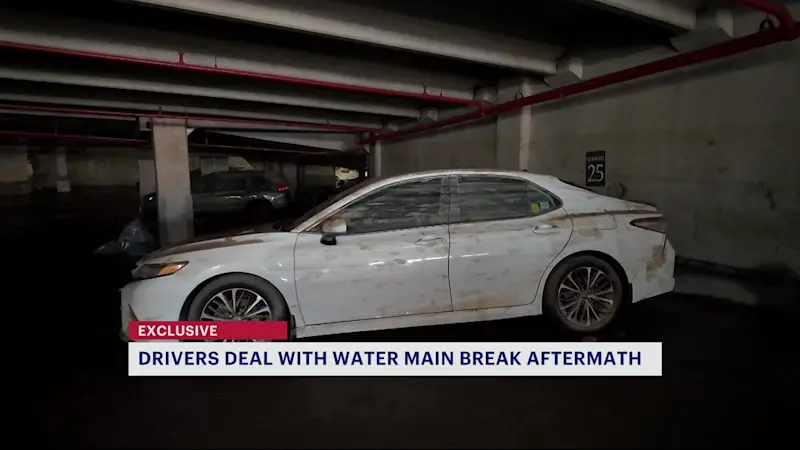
<point>374,359</point>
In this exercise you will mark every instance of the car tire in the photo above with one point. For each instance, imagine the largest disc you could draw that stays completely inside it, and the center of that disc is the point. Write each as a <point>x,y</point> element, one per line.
<point>278,310</point>
<point>261,211</point>
<point>566,295</point>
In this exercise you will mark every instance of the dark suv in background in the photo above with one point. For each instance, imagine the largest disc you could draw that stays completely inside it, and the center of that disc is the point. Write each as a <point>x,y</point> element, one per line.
<point>249,193</point>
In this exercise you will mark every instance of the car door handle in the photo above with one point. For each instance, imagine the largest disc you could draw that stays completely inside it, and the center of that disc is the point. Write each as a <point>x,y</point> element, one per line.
<point>429,240</point>
<point>545,228</point>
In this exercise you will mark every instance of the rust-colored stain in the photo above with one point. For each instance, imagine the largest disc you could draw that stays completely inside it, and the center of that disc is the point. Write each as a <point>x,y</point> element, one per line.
<point>607,213</point>
<point>589,232</point>
<point>658,257</point>
<point>478,299</point>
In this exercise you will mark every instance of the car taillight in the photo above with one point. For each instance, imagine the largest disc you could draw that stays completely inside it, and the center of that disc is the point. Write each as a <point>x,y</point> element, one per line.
<point>657,224</point>
<point>282,188</point>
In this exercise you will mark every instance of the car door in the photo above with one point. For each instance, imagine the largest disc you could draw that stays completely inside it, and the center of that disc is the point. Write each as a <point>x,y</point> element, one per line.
<point>232,193</point>
<point>202,195</point>
<point>504,232</point>
<point>391,260</point>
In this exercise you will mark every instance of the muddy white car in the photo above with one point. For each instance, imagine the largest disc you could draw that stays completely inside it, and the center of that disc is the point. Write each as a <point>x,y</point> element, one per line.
<point>421,249</point>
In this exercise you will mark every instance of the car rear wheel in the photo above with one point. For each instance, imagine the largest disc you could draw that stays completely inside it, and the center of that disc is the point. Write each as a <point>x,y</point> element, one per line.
<point>583,294</point>
<point>238,297</point>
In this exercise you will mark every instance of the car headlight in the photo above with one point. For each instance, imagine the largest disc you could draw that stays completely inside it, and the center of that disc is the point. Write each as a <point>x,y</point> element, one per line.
<point>146,271</point>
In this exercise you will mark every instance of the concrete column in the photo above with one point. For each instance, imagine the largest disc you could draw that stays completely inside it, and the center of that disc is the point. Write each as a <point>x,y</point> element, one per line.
<point>374,160</point>
<point>15,171</point>
<point>62,171</point>
<point>171,148</point>
<point>147,177</point>
<point>515,129</point>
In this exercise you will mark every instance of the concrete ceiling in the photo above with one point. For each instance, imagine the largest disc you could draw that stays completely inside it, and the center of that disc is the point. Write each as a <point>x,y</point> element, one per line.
<point>412,57</point>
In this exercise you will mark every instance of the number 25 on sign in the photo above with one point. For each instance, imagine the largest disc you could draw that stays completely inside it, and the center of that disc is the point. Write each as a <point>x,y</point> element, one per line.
<point>596,168</point>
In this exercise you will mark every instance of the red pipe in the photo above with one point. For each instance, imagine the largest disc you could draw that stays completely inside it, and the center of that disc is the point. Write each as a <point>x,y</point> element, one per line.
<point>182,65</point>
<point>72,137</point>
<point>110,113</point>
<point>132,141</point>
<point>753,41</point>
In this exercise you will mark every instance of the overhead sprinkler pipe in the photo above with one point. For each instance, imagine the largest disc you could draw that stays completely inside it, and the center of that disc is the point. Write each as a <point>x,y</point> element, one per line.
<point>159,115</point>
<point>181,64</point>
<point>139,142</point>
<point>760,39</point>
<point>73,137</point>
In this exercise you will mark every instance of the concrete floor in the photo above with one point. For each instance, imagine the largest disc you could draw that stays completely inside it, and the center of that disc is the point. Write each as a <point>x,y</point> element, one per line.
<point>729,379</point>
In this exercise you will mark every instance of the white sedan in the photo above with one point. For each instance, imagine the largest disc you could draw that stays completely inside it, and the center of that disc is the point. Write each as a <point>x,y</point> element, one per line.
<point>420,249</point>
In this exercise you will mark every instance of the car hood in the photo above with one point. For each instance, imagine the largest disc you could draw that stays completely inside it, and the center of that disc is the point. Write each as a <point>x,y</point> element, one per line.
<point>225,239</point>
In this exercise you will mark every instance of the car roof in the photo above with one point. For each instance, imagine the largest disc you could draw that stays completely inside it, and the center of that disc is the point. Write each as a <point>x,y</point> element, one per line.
<point>540,179</point>
<point>236,172</point>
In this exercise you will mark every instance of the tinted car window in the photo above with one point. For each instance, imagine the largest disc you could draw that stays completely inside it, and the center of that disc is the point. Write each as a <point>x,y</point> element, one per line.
<point>259,182</point>
<point>497,198</point>
<point>413,204</point>
<point>229,183</point>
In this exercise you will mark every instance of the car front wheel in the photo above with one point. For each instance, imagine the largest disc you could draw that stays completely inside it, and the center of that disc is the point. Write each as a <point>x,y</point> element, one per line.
<point>238,297</point>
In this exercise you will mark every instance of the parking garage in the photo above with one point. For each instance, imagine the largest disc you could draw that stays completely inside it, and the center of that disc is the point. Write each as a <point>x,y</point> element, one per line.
<point>687,105</point>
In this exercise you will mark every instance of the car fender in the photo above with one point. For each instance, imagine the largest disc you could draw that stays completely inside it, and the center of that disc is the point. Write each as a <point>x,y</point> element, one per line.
<point>605,243</point>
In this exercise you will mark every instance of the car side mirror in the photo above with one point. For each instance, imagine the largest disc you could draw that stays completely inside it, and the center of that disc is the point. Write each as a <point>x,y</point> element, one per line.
<point>328,239</point>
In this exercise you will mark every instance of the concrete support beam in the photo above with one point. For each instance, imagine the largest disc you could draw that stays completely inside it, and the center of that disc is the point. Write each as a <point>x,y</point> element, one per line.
<point>334,101</point>
<point>429,115</point>
<point>375,160</point>
<point>515,129</point>
<point>373,26</point>
<point>486,94</point>
<point>147,177</point>
<point>569,70</point>
<point>16,171</point>
<point>216,51</point>
<point>91,98</point>
<point>239,163</point>
<point>678,14</point>
<point>62,171</point>
<point>171,147</point>
<point>712,28</point>
<point>326,141</point>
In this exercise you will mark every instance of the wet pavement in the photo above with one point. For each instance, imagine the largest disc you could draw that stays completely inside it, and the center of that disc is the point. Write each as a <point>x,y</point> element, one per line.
<point>729,377</point>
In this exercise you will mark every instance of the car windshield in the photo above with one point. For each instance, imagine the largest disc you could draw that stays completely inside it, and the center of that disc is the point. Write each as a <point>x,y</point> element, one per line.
<point>325,204</point>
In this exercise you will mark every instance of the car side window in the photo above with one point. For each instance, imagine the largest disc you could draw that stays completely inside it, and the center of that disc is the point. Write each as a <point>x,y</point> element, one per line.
<point>483,198</point>
<point>258,182</point>
<point>413,204</point>
<point>229,183</point>
<point>205,184</point>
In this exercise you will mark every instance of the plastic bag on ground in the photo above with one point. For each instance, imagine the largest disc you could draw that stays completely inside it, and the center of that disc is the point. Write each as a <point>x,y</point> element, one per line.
<point>135,241</point>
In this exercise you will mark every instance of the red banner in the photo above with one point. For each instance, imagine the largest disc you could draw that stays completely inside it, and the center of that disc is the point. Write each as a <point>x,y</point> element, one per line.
<point>208,331</point>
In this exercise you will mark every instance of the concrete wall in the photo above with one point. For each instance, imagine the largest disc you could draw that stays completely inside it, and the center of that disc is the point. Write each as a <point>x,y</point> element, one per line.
<point>469,146</point>
<point>716,148</point>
